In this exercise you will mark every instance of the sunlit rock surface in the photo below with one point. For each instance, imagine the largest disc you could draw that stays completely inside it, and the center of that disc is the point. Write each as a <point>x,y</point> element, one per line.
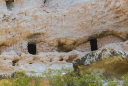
<point>61,30</point>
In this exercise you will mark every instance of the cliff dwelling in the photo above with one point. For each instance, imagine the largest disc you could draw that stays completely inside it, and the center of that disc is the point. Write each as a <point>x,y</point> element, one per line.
<point>36,35</point>
<point>93,43</point>
<point>9,4</point>
<point>32,48</point>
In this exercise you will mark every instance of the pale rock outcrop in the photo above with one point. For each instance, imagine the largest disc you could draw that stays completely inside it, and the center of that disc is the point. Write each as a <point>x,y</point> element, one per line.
<point>107,62</point>
<point>38,63</point>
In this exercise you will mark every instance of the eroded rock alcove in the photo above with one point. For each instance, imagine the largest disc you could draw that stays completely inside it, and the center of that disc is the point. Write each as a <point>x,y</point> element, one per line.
<point>36,35</point>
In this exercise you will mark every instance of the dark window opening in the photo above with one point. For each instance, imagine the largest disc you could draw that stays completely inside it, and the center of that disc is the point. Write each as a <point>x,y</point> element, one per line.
<point>44,1</point>
<point>9,4</point>
<point>50,60</point>
<point>14,62</point>
<point>61,59</point>
<point>93,43</point>
<point>32,48</point>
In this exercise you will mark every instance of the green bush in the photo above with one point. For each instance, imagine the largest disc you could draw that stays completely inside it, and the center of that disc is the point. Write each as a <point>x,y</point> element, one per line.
<point>125,79</point>
<point>112,83</point>
<point>73,78</point>
<point>21,79</point>
<point>55,78</point>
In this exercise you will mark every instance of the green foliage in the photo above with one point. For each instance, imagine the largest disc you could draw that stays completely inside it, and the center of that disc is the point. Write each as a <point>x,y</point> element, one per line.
<point>112,83</point>
<point>55,78</point>
<point>125,79</point>
<point>21,79</point>
<point>73,78</point>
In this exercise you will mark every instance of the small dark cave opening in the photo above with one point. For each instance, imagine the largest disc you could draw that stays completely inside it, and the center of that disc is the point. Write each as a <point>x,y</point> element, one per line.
<point>32,48</point>
<point>9,4</point>
<point>63,48</point>
<point>93,43</point>
<point>14,62</point>
<point>61,59</point>
<point>44,1</point>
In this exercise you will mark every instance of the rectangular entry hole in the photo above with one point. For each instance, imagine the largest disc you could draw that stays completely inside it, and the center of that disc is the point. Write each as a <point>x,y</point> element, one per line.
<point>44,1</point>
<point>32,48</point>
<point>9,4</point>
<point>14,62</point>
<point>93,43</point>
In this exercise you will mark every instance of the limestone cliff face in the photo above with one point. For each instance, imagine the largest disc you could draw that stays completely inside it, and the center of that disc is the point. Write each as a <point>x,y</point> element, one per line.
<point>74,23</point>
<point>59,26</point>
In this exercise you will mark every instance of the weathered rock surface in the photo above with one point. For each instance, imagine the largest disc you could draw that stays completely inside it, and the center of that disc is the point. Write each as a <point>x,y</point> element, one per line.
<point>61,25</point>
<point>57,28</point>
<point>107,62</point>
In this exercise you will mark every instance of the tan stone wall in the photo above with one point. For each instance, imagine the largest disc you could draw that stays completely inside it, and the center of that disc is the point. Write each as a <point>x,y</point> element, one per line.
<point>101,42</point>
<point>44,47</point>
<point>86,47</point>
<point>19,48</point>
<point>2,49</point>
<point>107,40</point>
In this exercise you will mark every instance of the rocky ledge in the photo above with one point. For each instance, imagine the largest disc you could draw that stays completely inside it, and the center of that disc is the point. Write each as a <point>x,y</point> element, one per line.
<point>107,62</point>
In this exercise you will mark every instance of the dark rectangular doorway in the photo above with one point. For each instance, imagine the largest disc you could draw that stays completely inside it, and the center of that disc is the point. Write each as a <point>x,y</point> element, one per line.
<point>9,4</point>
<point>32,48</point>
<point>93,43</point>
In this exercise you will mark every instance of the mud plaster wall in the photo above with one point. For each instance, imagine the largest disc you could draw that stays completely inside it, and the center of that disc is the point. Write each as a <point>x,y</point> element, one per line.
<point>108,39</point>
<point>21,47</point>
<point>102,41</point>
<point>44,47</point>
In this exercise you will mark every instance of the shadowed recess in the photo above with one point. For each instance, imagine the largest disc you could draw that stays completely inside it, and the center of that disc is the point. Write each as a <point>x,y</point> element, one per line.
<point>9,4</point>
<point>32,48</point>
<point>93,43</point>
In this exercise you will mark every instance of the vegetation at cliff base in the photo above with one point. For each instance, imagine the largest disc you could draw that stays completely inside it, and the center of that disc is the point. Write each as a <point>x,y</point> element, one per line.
<point>63,77</point>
